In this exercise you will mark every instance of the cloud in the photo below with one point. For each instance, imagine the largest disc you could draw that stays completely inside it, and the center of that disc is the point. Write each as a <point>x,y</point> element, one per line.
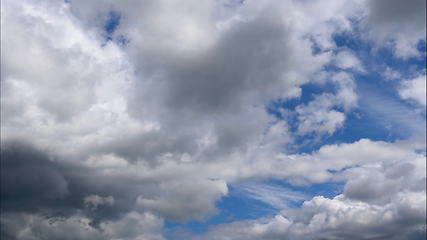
<point>381,199</point>
<point>337,218</point>
<point>347,60</point>
<point>392,113</point>
<point>106,134</point>
<point>134,226</point>
<point>29,179</point>
<point>196,202</point>
<point>397,24</point>
<point>274,195</point>
<point>58,188</point>
<point>391,74</point>
<point>414,89</point>
<point>33,226</point>
<point>321,115</point>
<point>93,201</point>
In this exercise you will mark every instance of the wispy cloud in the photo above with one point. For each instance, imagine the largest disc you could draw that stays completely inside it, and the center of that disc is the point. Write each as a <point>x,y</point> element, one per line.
<point>392,113</point>
<point>273,195</point>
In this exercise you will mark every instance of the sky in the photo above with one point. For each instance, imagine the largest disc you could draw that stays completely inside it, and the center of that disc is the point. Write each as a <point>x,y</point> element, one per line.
<point>213,120</point>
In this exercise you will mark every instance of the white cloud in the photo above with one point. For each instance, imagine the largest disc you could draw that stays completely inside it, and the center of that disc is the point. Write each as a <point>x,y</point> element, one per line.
<point>184,200</point>
<point>414,89</point>
<point>346,90</point>
<point>347,60</point>
<point>274,195</point>
<point>318,116</point>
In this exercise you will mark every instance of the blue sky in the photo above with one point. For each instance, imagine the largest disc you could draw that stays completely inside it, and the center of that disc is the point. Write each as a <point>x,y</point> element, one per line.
<point>222,119</point>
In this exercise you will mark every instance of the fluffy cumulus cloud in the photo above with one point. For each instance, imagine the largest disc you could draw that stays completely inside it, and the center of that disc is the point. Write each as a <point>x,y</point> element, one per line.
<point>325,113</point>
<point>117,116</point>
<point>347,60</point>
<point>414,90</point>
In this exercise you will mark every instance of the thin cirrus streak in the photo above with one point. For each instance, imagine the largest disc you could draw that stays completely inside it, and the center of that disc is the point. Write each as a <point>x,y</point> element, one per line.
<point>274,195</point>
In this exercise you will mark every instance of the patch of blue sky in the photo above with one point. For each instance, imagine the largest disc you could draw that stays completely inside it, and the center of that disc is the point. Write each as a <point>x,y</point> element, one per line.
<point>112,22</point>
<point>110,26</point>
<point>351,40</point>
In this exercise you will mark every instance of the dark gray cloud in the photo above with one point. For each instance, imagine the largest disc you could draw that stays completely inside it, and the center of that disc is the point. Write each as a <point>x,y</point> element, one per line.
<point>29,178</point>
<point>34,181</point>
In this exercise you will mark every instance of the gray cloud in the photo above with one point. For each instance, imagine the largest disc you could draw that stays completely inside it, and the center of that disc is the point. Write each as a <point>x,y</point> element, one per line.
<point>399,24</point>
<point>37,227</point>
<point>34,181</point>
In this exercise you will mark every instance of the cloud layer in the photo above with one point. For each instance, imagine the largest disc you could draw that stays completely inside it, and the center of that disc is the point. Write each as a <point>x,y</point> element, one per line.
<point>119,116</point>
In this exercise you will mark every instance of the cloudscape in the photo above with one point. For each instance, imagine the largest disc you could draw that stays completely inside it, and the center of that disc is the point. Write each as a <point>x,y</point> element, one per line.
<point>213,119</point>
